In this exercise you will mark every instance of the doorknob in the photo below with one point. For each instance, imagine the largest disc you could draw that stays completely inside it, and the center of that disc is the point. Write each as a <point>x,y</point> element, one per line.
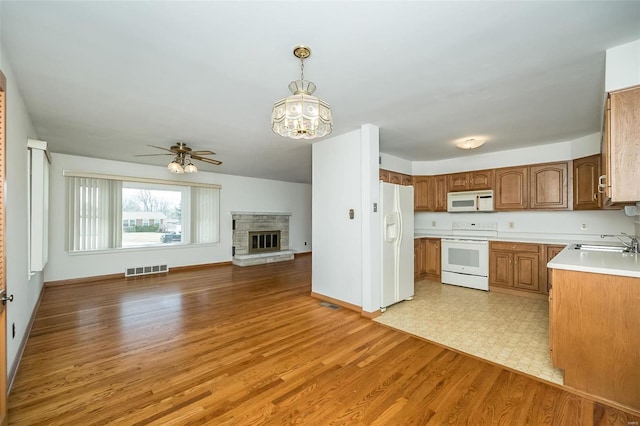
<point>6,298</point>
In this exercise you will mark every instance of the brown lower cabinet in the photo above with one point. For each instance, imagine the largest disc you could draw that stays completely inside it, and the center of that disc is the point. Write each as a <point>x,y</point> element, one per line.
<point>551,252</point>
<point>521,267</point>
<point>427,259</point>
<point>594,334</point>
<point>516,266</point>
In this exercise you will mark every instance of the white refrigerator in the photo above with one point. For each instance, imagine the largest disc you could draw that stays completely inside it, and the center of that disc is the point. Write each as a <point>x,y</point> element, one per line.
<point>396,206</point>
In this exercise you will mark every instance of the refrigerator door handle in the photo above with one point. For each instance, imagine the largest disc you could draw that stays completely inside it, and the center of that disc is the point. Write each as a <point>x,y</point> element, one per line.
<point>390,228</point>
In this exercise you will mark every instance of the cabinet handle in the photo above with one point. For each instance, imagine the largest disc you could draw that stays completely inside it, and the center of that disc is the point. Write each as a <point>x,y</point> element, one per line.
<point>601,184</point>
<point>595,196</point>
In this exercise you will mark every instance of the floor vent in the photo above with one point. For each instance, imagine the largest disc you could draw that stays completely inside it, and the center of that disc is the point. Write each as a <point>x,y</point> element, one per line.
<point>145,270</point>
<point>329,305</point>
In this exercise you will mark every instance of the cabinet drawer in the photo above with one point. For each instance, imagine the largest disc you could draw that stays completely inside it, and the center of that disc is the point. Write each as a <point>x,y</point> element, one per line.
<point>525,247</point>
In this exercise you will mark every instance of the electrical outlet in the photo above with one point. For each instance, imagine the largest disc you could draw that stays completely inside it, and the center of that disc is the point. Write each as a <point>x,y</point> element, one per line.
<point>13,330</point>
<point>583,226</point>
<point>510,225</point>
<point>305,243</point>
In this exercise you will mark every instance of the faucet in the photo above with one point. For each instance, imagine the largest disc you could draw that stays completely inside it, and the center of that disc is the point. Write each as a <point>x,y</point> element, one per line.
<point>632,245</point>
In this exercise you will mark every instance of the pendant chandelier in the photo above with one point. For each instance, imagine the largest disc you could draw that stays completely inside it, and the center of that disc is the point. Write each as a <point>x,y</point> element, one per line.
<point>301,115</point>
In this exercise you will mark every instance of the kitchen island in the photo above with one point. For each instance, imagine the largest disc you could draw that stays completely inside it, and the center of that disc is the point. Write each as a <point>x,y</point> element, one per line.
<point>594,324</point>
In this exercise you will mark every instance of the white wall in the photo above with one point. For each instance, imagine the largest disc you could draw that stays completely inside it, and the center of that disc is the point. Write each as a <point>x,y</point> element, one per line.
<point>372,221</point>
<point>237,194</point>
<point>346,253</point>
<point>560,151</point>
<point>622,66</point>
<point>25,291</point>
<point>395,164</point>
<point>566,225</point>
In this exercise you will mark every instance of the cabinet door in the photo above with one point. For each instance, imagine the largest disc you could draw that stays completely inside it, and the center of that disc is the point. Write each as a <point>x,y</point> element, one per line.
<point>440,193</point>
<point>422,190</point>
<point>526,271</point>
<point>501,268</point>
<point>481,179</point>
<point>458,182</point>
<point>406,180</point>
<point>512,188</point>
<point>549,186</point>
<point>417,256</point>
<point>586,172</point>
<point>383,175</point>
<point>604,182</point>
<point>395,178</point>
<point>624,152</point>
<point>432,251</point>
<point>551,252</point>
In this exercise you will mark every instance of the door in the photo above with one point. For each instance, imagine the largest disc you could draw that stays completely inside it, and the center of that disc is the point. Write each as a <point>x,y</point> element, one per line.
<point>3,276</point>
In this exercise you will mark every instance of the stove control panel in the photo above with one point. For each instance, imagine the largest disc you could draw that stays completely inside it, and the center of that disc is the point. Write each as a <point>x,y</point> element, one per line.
<point>475,226</point>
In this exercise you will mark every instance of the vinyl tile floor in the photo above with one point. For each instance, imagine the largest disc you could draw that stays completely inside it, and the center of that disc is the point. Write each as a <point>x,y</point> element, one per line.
<point>509,330</point>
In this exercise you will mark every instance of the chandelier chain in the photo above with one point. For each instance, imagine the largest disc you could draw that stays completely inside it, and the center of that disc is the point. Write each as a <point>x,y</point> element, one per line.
<point>301,68</point>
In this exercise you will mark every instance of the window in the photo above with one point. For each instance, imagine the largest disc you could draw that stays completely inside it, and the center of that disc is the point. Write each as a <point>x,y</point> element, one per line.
<point>111,212</point>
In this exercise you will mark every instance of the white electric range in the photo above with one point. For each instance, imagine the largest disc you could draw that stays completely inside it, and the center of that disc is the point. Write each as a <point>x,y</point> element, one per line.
<point>465,255</point>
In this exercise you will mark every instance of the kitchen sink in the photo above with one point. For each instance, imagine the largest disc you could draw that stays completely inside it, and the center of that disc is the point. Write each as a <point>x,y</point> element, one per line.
<point>602,247</point>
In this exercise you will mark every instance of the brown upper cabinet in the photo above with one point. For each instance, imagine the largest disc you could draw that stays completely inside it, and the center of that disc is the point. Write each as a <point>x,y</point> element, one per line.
<point>469,181</point>
<point>621,149</point>
<point>512,188</point>
<point>422,190</point>
<point>549,186</point>
<point>430,193</point>
<point>586,172</point>
<point>440,193</point>
<point>540,186</point>
<point>394,177</point>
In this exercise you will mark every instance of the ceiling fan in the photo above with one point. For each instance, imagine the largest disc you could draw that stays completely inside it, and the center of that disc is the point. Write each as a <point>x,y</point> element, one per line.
<point>182,158</point>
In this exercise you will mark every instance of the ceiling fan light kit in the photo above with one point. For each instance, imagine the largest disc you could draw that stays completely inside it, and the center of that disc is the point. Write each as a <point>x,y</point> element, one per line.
<point>301,115</point>
<point>183,156</point>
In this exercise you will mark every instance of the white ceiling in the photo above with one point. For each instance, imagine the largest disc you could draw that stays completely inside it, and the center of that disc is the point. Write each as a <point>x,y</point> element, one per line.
<point>105,79</point>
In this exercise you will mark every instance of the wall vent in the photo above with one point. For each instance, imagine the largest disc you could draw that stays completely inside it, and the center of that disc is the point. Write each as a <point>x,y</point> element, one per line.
<point>145,270</point>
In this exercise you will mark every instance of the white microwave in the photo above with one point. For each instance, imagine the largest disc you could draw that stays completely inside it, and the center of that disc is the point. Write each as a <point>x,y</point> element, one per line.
<point>470,201</point>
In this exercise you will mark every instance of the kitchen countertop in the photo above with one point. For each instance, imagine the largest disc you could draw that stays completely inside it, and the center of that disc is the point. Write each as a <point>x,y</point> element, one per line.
<point>562,240</point>
<point>598,262</point>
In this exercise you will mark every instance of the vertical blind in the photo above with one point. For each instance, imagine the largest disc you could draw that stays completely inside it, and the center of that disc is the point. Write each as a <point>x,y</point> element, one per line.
<point>94,212</point>
<point>204,214</point>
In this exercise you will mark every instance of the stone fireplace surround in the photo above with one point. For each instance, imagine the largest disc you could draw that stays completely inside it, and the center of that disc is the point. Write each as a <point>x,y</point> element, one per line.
<point>244,222</point>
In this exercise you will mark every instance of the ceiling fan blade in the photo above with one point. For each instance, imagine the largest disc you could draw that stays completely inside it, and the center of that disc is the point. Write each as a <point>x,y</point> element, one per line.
<point>202,153</point>
<point>151,155</point>
<point>206,160</point>
<point>162,148</point>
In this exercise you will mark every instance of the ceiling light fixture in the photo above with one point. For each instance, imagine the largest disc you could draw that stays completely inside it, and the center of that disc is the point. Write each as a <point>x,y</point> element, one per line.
<point>301,115</point>
<point>470,143</point>
<point>178,166</point>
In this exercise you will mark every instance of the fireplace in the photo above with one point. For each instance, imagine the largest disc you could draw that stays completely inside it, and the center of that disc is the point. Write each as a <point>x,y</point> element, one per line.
<point>260,237</point>
<point>264,241</point>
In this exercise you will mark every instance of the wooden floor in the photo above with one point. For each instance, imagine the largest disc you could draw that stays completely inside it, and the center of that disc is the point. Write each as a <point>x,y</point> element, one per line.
<point>231,345</point>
